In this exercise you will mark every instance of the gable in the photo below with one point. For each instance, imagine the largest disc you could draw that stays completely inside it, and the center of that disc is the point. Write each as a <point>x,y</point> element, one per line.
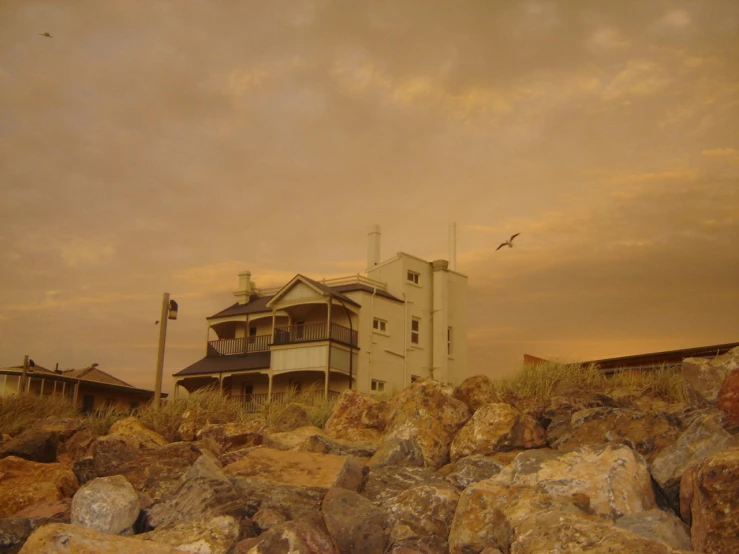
<point>299,292</point>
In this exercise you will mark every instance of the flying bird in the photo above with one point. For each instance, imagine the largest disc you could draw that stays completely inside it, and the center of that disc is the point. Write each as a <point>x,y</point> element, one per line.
<point>508,243</point>
<point>45,34</point>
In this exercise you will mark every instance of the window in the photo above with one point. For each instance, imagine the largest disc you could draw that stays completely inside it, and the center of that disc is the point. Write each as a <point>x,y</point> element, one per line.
<point>378,386</point>
<point>413,277</point>
<point>449,341</point>
<point>415,330</point>
<point>379,325</point>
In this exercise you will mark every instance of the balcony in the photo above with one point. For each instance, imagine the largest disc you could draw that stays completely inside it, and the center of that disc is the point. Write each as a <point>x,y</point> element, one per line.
<point>291,334</point>
<point>242,345</point>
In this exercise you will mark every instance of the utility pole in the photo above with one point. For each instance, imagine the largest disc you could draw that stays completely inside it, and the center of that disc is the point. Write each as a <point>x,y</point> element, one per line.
<point>169,311</point>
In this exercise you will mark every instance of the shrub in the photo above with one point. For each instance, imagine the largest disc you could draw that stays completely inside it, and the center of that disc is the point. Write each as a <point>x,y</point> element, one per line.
<point>19,412</point>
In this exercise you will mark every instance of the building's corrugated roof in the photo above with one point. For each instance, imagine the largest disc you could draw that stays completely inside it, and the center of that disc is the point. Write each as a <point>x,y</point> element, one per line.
<point>666,357</point>
<point>256,304</point>
<point>221,364</point>
<point>93,373</point>
<point>353,287</point>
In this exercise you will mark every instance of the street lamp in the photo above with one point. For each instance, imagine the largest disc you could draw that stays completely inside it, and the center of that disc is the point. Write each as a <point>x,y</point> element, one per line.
<point>169,311</point>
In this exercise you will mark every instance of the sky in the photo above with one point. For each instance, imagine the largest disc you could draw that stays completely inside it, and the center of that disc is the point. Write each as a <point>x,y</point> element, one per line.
<point>157,146</point>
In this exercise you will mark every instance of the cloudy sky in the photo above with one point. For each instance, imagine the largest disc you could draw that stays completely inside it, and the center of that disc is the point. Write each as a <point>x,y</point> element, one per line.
<point>155,146</point>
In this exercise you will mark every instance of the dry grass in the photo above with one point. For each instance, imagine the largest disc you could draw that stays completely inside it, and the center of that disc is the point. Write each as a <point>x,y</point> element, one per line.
<point>539,382</point>
<point>20,412</point>
<point>312,399</point>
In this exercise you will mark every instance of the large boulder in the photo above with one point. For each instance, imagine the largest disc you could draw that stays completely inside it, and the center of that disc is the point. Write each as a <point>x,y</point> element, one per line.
<point>705,436</point>
<point>728,397</point>
<point>709,495</point>
<point>647,433</point>
<point>107,504</point>
<point>397,452</point>
<point>660,526</point>
<point>356,525</point>
<point>62,538</point>
<point>232,436</point>
<point>25,483</point>
<point>290,502</point>
<point>338,447</point>
<point>428,413</point>
<point>476,391</point>
<point>602,482</point>
<point>704,377</point>
<point>384,483</point>
<point>210,536</point>
<point>205,492</point>
<point>16,530</point>
<point>497,428</point>
<point>345,422</point>
<point>305,536</point>
<point>153,471</point>
<point>422,516</point>
<point>290,440</point>
<point>36,445</point>
<point>305,469</point>
<point>79,446</point>
<point>289,418</point>
<point>137,435</point>
<point>472,469</point>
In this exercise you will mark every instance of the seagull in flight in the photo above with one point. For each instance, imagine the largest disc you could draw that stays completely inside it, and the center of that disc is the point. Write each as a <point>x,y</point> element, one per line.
<point>45,34</point>
<point>508,243</point>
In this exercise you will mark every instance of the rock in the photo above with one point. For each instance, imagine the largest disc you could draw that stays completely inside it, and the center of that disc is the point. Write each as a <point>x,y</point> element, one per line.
<point>63,538</point>
<point>473,469</point>
<point>494,428</point>
<point>290,440</point>
<point>267,518</point>
<point>556,417</point>
<point>26,483</point>
<point>293,501</point>
<point>338,447</point>
<point>384,483</point>
<point>137,434</point>
<point>15,531</point>
<point>291,417</point>
<point>397,452</point>
<point>305,469</point>
<point>59,510</point>
<point>602,482</point>
<point>107,504</point>
<point>728,397</point>
<point>210,536</point>
<point>64,427</point>
<point>647,433</point>
<point>307,536</point>
<point>550,532</point>
<point>476,391</point>
<point>355,524</point>
<point>204,493</point>
<point>345,421</point>
<point>422,516</point>
<point>232,436</point>
<point>84,469</point>
<point>660,526</point>
<point>705,436</point>
<point>703,377</point>
<point>154,471</point>
<point>711,497</point>
<point>79,446</point>
<point>428,413</point>
<point>36,445</point>
<point>376,416</point>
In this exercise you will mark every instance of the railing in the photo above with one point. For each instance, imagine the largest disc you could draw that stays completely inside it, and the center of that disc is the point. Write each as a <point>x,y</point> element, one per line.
<point>314,331</point>
<point>253,403</point>
<point>241,345</point>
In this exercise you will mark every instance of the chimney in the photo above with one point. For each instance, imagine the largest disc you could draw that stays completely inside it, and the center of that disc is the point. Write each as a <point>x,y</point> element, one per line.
<point>453,246</point>
<point>373,246</point>
<point>246,287</point>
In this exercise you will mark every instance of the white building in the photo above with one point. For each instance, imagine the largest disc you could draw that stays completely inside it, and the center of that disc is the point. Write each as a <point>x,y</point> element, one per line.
<point>404,318</point>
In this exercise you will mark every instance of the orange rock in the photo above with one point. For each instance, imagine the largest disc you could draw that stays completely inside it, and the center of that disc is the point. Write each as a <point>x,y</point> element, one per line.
<point>728,396</point>
<point>24,483</point>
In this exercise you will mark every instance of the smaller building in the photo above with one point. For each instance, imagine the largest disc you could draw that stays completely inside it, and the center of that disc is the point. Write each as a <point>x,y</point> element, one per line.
<point>649,361</point>
<point>89,388</point>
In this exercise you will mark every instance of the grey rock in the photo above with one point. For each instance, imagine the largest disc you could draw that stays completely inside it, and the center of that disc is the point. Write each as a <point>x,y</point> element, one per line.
<point>473,469</point>
<point>355,524</point>
<point>659,526</point>
<point>107,504</point>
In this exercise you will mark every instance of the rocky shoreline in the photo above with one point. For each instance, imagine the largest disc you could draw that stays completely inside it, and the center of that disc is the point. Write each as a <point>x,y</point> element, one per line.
<point>432,470</point>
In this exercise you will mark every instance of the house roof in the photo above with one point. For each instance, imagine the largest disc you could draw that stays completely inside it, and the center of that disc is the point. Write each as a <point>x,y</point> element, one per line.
<point>93,373</point>
<point>354,287</point>
<point>256,304</point>
<point>222,364</point>
<point>325,289</point>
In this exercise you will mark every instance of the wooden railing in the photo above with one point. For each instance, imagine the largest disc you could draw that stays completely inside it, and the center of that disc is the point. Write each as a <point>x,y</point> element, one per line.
<point>253,403</point>
<point>241,345</point>
<point>314,331</point>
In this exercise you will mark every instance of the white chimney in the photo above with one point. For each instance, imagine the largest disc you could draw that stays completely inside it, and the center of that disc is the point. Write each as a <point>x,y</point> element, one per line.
<point>453,246</point>
<point>246,287</point>
<point>373,246</point>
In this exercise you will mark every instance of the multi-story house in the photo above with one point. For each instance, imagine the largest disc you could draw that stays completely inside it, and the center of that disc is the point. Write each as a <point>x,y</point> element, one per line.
<point>404,318</point>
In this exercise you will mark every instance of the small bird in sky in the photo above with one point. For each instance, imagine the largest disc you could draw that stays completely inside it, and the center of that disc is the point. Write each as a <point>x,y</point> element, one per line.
<point>508,243</point>
<point>45,34</point>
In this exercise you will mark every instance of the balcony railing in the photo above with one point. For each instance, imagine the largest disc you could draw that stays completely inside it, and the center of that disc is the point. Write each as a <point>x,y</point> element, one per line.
<point>241,345</point>
<point>314,331</point>
<point>253,403</point>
